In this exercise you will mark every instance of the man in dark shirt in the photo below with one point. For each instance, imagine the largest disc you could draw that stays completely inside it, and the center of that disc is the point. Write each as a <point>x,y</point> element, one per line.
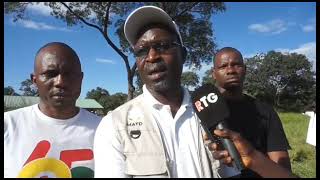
<point>255,121</point>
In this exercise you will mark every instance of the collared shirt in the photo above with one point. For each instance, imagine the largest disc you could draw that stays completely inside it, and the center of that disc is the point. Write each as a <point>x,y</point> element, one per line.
<point>179,135</point>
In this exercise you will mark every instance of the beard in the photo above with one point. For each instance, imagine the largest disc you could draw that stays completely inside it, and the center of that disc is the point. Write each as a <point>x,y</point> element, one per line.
<point>168,78</point>
<point>161,86</point>
<point>233,87</point>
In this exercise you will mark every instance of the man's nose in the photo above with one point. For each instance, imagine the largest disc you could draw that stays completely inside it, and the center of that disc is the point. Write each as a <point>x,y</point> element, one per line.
<point>60,80</point>
<point>230,69</point>
<point>153,55</point>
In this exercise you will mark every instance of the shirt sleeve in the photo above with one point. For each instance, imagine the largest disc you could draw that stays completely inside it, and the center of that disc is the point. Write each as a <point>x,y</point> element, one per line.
<point>108,151</point>
<point>276,137</point>
<point>5,157</point>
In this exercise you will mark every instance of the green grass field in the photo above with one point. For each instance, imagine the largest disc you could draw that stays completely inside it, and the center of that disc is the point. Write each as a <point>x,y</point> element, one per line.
<point>302,155</point>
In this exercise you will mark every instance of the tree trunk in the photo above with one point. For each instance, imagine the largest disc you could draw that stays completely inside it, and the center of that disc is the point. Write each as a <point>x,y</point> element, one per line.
<point>131,72</point>
<point>130,86</point>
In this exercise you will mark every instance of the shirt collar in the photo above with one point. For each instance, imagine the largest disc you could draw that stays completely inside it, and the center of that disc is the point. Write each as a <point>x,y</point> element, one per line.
<point>148,97</point>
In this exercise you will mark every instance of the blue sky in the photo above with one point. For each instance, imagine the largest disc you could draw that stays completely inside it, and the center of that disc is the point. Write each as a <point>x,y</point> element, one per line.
<point>252,28</point>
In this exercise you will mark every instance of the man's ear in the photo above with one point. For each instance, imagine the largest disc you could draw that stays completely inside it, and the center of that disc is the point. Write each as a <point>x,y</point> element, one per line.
<point>184,53</point>
<point>245,69</point>
<point>81,76</point>
<point>33,78</point>
<point>213,73</point>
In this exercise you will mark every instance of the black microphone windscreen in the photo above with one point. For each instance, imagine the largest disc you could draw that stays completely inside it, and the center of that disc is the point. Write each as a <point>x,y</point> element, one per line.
<point>212,110</point>
<point>209,105</point>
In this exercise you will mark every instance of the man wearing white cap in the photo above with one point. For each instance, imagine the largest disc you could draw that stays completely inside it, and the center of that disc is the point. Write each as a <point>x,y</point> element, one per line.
<point>157,134</point>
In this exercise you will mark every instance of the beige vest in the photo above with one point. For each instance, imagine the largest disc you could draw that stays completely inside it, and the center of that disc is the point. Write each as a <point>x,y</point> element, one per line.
<point>143,148</point>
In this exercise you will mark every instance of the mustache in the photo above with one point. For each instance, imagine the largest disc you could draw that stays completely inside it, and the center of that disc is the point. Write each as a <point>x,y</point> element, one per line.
<point>233,76</point>
<point>155,67</point>
<point>59,92</point>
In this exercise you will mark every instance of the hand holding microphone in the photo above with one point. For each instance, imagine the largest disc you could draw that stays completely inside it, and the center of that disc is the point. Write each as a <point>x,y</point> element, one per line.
<point>212,110</point>
<point>246,151</point>
<point>250,157</point>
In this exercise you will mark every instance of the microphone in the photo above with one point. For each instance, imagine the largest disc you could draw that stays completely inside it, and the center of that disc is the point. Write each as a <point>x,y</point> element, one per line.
<point>212,110</point>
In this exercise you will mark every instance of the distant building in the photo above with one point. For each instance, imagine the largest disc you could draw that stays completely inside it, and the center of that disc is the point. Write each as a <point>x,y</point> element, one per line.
<point>15,102</point>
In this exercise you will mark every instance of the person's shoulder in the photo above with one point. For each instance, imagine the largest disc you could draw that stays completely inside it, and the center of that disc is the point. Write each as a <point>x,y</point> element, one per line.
<point>18,112</point>
<point>256,101</point>
<point>262,107</point>
<point>88,120</point>
<point>17,117</point>
<point>89,115</point>
<point>129,108</point>
<point>249,97</point>
<point>128,104</point>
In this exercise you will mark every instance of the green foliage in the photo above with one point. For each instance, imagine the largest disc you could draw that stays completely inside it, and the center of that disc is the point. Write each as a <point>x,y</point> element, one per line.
<point>17,8</point>
<point>302,155</point>
<point>193,18</point>
<point>114,101</point>
<point>109,102</point>
<point>28,88</point>
<point>9,91</point>
<point>139,84</point>
<point>100,95</point>
<point>207,78</point>
<point>283,80</point>
<point>189,79</point>
<point>97,93</point>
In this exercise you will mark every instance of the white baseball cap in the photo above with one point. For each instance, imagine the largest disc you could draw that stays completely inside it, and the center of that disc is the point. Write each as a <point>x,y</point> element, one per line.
<point>146,15</point>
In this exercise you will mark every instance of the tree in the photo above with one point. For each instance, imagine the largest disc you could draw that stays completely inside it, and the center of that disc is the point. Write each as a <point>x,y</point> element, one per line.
<point>109,102</point>
<point>139,84</point>
<point>193,18</point>
<point>10,91</point>
<point>100,95</point>
<point>97,93</point>
<point>28,88</point>
<point>284,80</point>
<point>114,101</point>
<point>189,79</point>
<point>207,78</point>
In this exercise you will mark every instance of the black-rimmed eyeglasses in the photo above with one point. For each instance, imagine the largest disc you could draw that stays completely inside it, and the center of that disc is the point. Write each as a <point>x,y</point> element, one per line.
<point>161,47</point>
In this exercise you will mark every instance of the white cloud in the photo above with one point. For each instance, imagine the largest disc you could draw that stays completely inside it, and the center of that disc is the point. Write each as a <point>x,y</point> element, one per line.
<point>44,10</point>
<point>108,61</point>
<point>310,26</point>
<point>275,26</point>
<point>39,25</point>
<point>308,49</point>
<point>41,9</point>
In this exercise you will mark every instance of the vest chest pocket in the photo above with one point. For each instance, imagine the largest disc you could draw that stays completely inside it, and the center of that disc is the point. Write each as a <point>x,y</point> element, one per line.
<point>144,153</point>
<point>145,165</point>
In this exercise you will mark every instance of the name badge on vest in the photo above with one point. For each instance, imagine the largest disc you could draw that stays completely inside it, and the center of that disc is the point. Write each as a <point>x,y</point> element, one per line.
<point>134,127</point>
<point>135,134</point>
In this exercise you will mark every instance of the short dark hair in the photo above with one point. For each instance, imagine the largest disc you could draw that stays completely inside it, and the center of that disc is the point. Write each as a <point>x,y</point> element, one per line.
<point>52,44</point>
<point>227,49</point>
